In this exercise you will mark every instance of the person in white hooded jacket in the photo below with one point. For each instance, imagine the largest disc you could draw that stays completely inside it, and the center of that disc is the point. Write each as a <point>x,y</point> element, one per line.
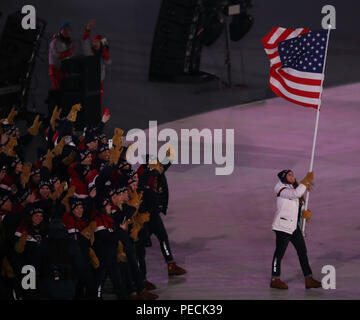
<point>289,201</point>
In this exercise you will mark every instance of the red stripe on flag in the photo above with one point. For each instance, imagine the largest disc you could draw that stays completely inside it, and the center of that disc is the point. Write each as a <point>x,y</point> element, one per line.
<point>311,82</point>
<point>266,39</point>
<point>298,92</point>
<point>276,66</point>
<point>280,94</point>
<point>273,55</point>
<point>284,35</point>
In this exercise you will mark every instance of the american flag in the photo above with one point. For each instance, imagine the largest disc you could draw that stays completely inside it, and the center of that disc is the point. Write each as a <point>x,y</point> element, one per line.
<point>297,58</point>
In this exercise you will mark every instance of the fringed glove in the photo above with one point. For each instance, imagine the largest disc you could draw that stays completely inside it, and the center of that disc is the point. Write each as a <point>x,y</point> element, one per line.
<point>13,113</point>
<point>58,191</point>
<point>48,160</point>
<point>73,112</point>
<point>69,194</point>
<point>59,147</point>
<point>55,116</point>
<point>34,129</point>
<point>25,174</point>
<point>118,138</point>
<point>8,149</point>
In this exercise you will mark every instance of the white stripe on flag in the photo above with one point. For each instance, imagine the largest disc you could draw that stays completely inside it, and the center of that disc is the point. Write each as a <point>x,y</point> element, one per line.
<point>276,35</point>
<point>275,60</point>
<point>301,74</point>
<point>271,51</point>
<point>299,86</point>
<point>278,85</point>
<point>295,33</point>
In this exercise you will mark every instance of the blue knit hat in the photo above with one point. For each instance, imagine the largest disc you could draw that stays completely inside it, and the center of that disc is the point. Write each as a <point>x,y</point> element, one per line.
<point>64,25</point>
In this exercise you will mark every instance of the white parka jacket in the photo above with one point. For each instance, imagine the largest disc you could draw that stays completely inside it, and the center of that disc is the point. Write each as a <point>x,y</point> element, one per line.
<point>287,206</point>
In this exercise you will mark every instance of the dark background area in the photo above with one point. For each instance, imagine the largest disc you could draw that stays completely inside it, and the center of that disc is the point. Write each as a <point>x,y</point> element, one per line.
<point>129,27</point>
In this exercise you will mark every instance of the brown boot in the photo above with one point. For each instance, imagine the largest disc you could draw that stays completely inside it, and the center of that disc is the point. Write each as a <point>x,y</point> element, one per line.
<point>310,282</point>
<point>146,295</point>
<point>175,270</point>
<point>278,284</point>
<point>149,286</point>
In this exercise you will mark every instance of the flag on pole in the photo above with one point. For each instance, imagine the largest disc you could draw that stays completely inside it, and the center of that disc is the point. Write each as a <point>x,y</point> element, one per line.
<point>297,58</point>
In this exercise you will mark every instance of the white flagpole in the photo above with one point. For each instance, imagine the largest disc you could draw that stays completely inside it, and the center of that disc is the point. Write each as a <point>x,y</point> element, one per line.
<point>316,129</point>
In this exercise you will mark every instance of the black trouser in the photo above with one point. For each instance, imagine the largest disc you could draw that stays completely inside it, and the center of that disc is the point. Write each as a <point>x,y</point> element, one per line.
<point>282,241</point>
<point>132,261</point>
<point>86,285</point>
<point>156,226</point>
<point>141,250</point>
<point>106,253</point>
<point>114,273</point>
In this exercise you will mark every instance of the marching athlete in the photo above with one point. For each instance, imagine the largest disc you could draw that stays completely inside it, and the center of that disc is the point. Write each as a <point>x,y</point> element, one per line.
<point>286,225</point>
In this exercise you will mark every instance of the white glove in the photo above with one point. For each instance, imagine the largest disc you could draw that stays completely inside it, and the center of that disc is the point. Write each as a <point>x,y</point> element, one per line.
<point>104,42</point>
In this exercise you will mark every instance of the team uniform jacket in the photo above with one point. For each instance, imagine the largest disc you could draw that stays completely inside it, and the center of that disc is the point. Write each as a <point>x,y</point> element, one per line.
<point>32,238</point>
<point>88,51</point>
<point>105,241</point>
<point>287,207</point>
<point>73,225</point>
<point>79,183</point>
<point>104,222</point>
<point>58,51</point>
<point>9,182</point>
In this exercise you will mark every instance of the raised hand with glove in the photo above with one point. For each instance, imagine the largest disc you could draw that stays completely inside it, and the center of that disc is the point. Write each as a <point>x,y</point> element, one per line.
<point>308,180</point>
<point>13,113</point>
<point>59,147</point>
<point>73,112</point>
<point>118,138</point>
<point>114,155</point>
<point>8,149</point>
<point>25,174</point>
<point>34,129</point>
<point>55,116</point>
<point>69,194</point>
<point>91,24</point>
<point>58,191</point>
<point>48,160</point>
